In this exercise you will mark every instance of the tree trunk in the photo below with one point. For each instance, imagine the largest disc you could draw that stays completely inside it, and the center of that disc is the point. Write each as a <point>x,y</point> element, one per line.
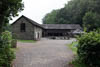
<point>1,24</point>
<point>1,28</point>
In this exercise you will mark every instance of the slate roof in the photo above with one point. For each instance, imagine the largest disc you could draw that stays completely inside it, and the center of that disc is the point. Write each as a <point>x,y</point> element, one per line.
<point>31,21</point>
<point>61,26</point>
<point>51,26</point>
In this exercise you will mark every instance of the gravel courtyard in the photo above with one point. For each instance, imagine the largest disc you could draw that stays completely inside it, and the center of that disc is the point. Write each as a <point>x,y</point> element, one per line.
<point>44,53</point>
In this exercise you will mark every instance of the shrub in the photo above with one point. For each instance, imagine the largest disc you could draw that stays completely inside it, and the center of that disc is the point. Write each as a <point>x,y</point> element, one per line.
<point>14,43</point>
<point>89,49</point>
<point>6,54</point>
<point>14,40</point>
<point>14,36</point>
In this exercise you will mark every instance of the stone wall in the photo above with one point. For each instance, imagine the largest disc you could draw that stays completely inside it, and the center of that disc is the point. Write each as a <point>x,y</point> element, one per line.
<point>29,34</point>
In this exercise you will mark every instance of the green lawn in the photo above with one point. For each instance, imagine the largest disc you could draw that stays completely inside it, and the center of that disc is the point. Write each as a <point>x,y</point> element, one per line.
<point>26,41</point>
<point>73,46</point>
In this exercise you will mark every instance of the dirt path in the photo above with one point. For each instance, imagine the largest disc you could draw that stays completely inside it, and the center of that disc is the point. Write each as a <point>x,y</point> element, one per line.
<point>44,53</point>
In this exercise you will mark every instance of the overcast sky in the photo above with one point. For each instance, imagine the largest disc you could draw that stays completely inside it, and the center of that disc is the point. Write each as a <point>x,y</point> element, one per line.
<point>37,9</point>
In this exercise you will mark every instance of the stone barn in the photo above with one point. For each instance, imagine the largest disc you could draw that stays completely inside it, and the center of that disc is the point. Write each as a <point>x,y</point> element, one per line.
<point>27,29</point>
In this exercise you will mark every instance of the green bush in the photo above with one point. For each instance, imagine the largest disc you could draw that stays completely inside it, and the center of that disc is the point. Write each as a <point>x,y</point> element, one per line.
<point>6,54</point>
<point>89,49</point>
<point>14,40</point>
<point>14,36</point>
<point>14,43</point>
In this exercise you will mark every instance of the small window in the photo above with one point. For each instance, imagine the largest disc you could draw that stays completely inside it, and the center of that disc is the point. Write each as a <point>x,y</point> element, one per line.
<point>22,27</point>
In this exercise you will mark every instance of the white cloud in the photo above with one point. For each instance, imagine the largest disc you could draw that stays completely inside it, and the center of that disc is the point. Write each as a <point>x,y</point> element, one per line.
<point>37,9</point>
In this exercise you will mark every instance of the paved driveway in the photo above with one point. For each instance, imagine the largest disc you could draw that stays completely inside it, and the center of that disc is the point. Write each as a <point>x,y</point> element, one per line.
<point>44,53</point>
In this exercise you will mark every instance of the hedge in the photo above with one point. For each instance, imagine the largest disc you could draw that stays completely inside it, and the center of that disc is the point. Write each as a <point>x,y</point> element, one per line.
<point>89,49</point>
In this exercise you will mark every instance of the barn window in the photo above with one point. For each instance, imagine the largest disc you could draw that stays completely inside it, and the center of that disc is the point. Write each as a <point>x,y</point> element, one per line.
<point>22,27</point>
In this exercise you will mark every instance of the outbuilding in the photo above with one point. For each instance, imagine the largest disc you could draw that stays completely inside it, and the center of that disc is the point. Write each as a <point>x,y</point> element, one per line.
<point>27,29</point>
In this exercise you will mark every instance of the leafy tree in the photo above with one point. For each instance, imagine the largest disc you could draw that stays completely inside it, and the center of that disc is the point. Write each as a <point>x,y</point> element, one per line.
<point>91,21</point>
<point>74,12</point>
<point>63,16</point>
<point>50,17</point>
<point>9,9</point>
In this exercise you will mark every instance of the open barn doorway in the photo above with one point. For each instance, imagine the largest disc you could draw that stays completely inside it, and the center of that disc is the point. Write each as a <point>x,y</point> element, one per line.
<point>56,34</point>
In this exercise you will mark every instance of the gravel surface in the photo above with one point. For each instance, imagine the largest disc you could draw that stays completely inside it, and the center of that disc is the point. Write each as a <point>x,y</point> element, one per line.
<point>44,53</point>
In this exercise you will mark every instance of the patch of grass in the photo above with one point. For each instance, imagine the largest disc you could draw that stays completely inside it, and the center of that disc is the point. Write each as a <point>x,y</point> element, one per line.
<point>73,46</point>
<point>27,41</point>
<point>77,63</point>
<point>14,49</point>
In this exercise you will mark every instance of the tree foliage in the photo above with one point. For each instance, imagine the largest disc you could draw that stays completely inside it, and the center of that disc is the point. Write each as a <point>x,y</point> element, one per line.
<point>6,54</point>
<point>75,11</point>
<point>91,21</point>
<point>50,17</point>
<point>9,9</point>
